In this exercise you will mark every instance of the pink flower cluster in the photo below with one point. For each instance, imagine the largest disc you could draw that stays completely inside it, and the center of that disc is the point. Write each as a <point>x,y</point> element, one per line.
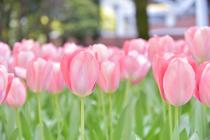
<point>181,68</point>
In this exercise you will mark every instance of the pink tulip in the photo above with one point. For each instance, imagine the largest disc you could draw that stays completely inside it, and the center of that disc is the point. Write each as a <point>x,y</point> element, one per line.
<point>49,52</point>
<point>139,45</point>
<point>38,74</point>
<point>198,41</point>
<point>109,76</point>
<point>27,45</point>
<point>80,72</point>
<point>134,66</point>
<point>181,46</point>
<point>5,83</point>
<point>23,53</point>
<point>175,76</point>
<point>159,66</point>
<point>17,94</point>
<point>56,84</point>
<point>202,75</point>
<point>159,45</point>
<point>20,62</point>
<point>4,54</point>
<point>70,48</point>
<point>115,54</point>
<point>101,51</point>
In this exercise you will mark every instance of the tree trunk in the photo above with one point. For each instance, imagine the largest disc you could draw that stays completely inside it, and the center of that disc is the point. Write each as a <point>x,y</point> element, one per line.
<point>141,19</point>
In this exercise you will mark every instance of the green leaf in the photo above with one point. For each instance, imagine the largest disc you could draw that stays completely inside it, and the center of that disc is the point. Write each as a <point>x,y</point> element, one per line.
<point>26,127</point>
<point>183,135</point>
<point>14,135</point>
<point>123,129</point>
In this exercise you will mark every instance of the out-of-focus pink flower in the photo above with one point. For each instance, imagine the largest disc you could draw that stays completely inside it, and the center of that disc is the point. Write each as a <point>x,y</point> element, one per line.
<point>49,51</point>
<point>80,71</point>
<point>139,45</point>
<point>69,48</point>
<point>181,46</point>
<point>56,84</point>
<point>198,41</point>
<point>38,74</point>
<point>134,66</point>
<point>21,61</point>
<point>24,52</point>
<point>101,51</point>
<point>175,77</point>
<point>109,76</point>
<point>27,45</point>
<point>17,94</point>
<point>115,54</point>
<point>4,54</point>
<point>158,45</point>
<point>5,83</point>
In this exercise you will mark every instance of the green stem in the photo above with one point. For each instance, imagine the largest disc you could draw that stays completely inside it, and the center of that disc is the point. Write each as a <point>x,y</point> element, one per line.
<point>170,121</point>
<point>18,123</point>
<point>102,103</point>
<point>164,111</point>
<point>177,120</point>
<point>82,119</point>
<point>110,115</point>
<point>39,115</point>
<point>58,115</point>
<point>103,112</point>
<point>204,121</point>
<point>126,99</point>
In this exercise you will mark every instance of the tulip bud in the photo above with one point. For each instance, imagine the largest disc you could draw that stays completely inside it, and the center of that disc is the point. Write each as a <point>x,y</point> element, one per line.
<point>80,72</point>
<point>56,84</point>
<point>5,83</point>
<point>17,94</point>
<point>109,76</point>
<point>38,74</point>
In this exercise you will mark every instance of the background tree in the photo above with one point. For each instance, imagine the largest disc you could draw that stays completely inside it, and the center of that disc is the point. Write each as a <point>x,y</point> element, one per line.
<point>142,19</point>
<point>48,19</point>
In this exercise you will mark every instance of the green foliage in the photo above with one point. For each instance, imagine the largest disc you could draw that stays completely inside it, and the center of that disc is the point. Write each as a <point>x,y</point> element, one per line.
<point>48,19</point>
<point>142,118</point>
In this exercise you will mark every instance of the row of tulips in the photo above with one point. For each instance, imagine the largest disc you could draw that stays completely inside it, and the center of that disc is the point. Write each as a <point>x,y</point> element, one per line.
<point>180,68</point>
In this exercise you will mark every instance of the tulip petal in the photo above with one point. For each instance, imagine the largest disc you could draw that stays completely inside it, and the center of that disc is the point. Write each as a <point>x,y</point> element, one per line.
<point>179,82</point>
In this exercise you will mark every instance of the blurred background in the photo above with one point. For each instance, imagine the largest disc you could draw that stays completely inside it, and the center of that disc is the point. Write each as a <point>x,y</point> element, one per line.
<point>89,21</point>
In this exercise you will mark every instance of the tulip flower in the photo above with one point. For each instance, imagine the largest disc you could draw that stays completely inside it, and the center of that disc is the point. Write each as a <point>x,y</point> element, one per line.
<point>20,62</point>
<point>5,83</point>
<point>56,83</point>
<point>16,98</point>
<point>109,79</point>
<point>166,44</point>
<point>38,75</point>
<point>109,76</point>
<point>49,52</point>
<point>27,45</point>
<point>198,41</point>
<point>80,71</point>
<point>4,54</point>
<point>17,94</point>
<point>175,76</point>
<point>115,54</point>
<point>23,52</point>
<point>134,67</point>
<point>139,45</point>
<point>202,75</point>
<point>158,45</point>
<point>101,51</point>
<point>69,48</point>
